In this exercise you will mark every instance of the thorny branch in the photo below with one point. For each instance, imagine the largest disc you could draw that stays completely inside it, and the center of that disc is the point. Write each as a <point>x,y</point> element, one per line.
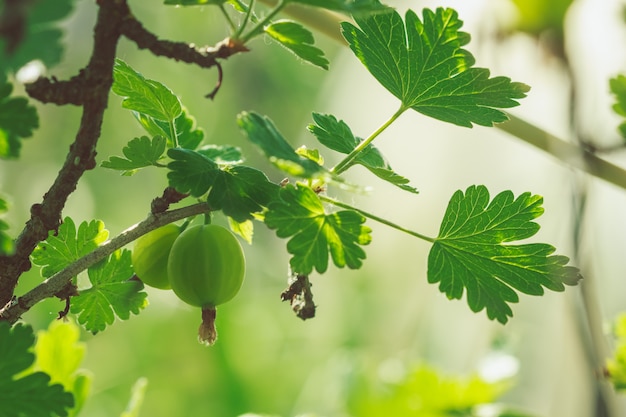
<point>89,89</point>
<point>59,285</point>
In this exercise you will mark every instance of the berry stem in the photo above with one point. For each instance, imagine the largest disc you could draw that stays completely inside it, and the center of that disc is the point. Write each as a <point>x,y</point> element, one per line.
<point>206,333</point>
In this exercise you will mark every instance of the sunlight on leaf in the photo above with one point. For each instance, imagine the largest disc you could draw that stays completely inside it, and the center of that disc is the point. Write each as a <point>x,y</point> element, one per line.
<point>26,394</point>
<point>618,88</point>
<point>68,245</point>
<point>616,365</point>
<point>139,153</point>
<point>143,95</point>
<point>18,120</point>
<point>298,40</point>
<point>59,353</point>
<point>188,134</point>
<point>112,293</point>
<point>6,243</point>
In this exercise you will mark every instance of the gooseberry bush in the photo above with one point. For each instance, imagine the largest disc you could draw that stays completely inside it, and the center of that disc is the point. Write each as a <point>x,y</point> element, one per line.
<point>418,57</point>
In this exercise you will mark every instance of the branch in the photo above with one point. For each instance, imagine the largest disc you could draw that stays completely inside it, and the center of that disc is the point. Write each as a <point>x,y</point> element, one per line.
<point>59,281</point>
<point>81,156</point>
<point>205,57</point>
<point>568,153</point>
<point>60,92</point>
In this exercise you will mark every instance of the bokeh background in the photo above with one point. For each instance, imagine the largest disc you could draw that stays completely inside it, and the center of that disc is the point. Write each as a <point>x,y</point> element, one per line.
<point>385,317</point>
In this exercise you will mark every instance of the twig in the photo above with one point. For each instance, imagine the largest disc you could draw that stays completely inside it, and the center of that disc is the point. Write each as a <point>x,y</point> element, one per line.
<point>81,156</point>
<point>205,57</point>
<point>56,283</point>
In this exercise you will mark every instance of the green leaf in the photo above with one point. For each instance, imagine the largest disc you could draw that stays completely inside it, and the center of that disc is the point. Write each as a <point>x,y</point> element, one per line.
<point>425,67</point>
<point>244,229</point>
<point>261,131</point>
<point>59,353</point>
<point>298,40</point>
<point>189,136</point>
<point>616,365</point>
<point>139,152</point>
<point>17,120</point>
<point>300,216</point>
<point>618,88</point>
<point>238,191</point>
<point>354,7</point>
<point>112,293</point>
<point>6,243</point>
<point>424,391</point>
<point>337,136</point>
<point>32,394</point>
<point>67,245</point>
<point>539,17</point>
<point>312,154</point>
<point>42,40</point>
<point>469,252</point>
<point>143,95</point>
<point>222,154</point>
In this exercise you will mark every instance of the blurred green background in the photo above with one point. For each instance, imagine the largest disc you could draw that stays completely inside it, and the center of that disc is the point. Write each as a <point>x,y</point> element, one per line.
<point>375,322</point>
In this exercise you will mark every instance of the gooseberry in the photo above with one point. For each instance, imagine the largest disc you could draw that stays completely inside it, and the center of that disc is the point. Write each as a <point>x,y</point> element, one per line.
<point>206,268</point>
<point>150,254</point>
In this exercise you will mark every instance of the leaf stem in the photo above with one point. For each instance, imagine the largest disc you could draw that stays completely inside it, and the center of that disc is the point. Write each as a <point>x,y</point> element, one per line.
<point>349,160</point>
<point>246,18</point>
<point>259,27</point>
<point>376,218</point>
<point>233,27</point>
<point>53,285</point>
<point>173,133</point>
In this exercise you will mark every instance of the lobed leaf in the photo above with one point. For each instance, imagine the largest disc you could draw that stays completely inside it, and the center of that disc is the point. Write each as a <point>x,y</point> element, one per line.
<point>67,245</point>
<point>421,62</point>
<point>427,392</point>
<point>261,131</point>
<point>300,216</point>
<point>618,88</point>
<point>616,364</point>
<point>18,119</point>
<point>239,191</point>
<point>143,95</point>
<point>189,136</point>
<point>469,255</point>
<point>298,40</point>
<point>112,293</point>
<point>24,393</point>
<point>336,135</point>
<point>59,353</point>
<point>140,153</point>
<point>6,243</point>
